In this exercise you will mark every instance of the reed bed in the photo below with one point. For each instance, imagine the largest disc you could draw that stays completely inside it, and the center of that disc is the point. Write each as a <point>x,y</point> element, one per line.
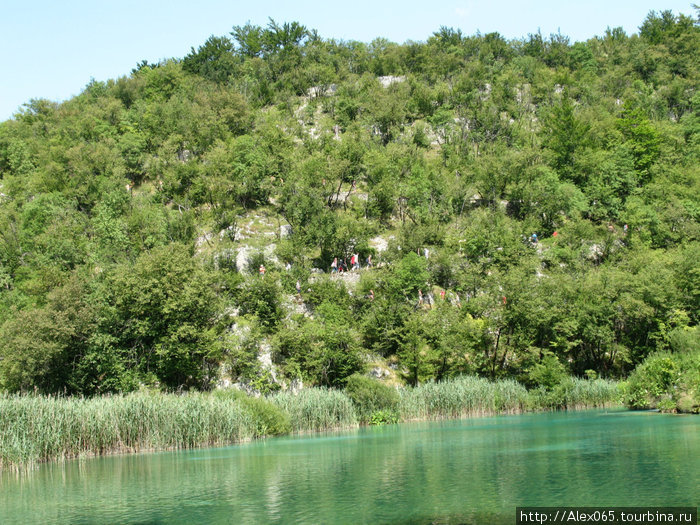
<point>38,428</point>
<point>475,396</point>
<point>577,394</point>
<point>35,428</point>
<point>460,397</point>
<point>315,409</point>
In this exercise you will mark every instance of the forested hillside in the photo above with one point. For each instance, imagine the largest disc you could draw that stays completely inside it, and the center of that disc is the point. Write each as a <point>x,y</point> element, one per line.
<point>155,230</point>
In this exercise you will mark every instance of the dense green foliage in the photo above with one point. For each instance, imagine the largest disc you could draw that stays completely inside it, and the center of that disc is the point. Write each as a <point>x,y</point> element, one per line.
<point>669,380</point>
<point>123,209</point>
<point>375,401</point>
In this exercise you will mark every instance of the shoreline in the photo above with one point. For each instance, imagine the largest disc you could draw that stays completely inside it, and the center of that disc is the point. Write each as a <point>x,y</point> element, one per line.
<point>67,429</point>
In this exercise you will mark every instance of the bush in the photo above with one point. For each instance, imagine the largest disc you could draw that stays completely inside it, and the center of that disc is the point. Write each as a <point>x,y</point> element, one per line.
<point>261,297</point>
<point>376,402</point>
<point>269,419</point>
<point>657,375</point>
<point>384,417</point>
<point>254,261</point>
<point>547,372</point>
<point>668,381</point>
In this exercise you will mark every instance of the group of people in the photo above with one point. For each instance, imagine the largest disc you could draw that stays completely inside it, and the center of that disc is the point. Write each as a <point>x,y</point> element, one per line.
<point>341,265</point>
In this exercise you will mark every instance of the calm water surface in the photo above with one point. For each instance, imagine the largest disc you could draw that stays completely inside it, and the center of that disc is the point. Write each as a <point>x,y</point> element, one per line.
<point>469,471</point>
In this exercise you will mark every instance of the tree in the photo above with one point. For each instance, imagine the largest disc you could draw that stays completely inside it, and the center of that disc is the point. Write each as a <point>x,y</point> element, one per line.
<point>42,347</point>
<point>323,352</point>
<point>418,358</point>
<point>161,314</point>
<point>642,137</point>
<point>214,60</point>
<point>565,136</point>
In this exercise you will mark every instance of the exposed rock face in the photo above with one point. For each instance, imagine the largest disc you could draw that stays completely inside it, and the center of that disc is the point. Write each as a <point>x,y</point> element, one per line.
<point>242,258</point>
<point>245,252</point>
<point>379,373</point>
<point>295,307</point>
<point>296,386</point>
<point>320,91</point>
<point>265,359</point>
<point>388,80</point>
<point>379,243</point>
<point>203,239</point>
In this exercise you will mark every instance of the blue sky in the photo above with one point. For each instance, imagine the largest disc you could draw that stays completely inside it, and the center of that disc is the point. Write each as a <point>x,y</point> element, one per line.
<point>51,49</point>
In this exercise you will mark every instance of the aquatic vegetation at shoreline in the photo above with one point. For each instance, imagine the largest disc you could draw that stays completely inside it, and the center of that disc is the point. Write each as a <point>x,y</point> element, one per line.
<point>35,429</point>
<point>315,409</point>
<point>462,396</point>
<point>42,428</point>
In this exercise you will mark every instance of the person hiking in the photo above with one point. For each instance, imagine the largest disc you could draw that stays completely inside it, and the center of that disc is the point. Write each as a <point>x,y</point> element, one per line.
<point>353,262</point>
<point>420,297</point>
<point>534,238</point>
<point>334,265</point>
<point>369,261</point>
<point>262,271</point>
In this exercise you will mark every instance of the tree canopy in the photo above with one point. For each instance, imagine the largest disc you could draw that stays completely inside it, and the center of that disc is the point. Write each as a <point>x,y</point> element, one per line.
<point>125,212</point>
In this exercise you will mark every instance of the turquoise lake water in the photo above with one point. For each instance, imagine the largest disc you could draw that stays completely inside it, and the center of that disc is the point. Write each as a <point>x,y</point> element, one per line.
<point>469,471</point>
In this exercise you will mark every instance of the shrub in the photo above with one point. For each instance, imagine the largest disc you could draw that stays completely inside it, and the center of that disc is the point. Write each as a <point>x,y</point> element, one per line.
<point>650,380</point>
<point>375,401</point>
<point>261,297</point>
<point>548,373</point>
<point>269,419</point>
<point>384,417</point>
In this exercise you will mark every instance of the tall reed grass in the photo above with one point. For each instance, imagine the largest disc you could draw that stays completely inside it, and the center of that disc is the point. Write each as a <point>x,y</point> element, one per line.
<point>315,409</point>
<point>462,396</point>
<point>38,428</point>
<point>43,428</point>
<point>576,394</point>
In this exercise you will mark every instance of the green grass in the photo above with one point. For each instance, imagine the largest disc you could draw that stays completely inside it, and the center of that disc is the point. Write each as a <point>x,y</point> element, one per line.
<point>35,429</point>
<point>475,396</point>
<point>460,397</point>
<point>315,409</point>
<point>577,394</point>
